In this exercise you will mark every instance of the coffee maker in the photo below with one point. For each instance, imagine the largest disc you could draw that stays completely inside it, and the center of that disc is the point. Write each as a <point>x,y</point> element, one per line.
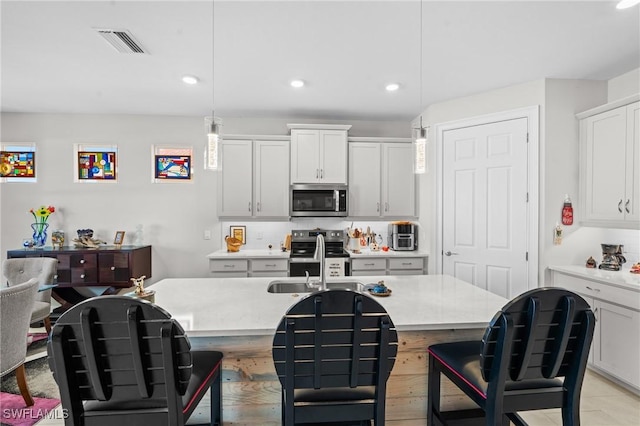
<point>612,258</point>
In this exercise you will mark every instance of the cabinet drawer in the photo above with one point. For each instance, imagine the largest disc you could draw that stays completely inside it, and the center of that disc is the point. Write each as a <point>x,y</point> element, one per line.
<point>269,265</point>
<point>406,263</point>
<point>368,264</point>
<point>373,272</point>
<point>609,293</point>
<point>235,265</point>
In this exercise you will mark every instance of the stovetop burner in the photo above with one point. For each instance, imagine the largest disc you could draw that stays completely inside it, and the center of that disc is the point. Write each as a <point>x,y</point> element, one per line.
<point>303,243</point>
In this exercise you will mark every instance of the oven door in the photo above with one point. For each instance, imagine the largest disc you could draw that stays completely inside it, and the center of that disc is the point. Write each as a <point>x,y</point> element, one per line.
<point>318,200</point>
<point>333,267</point>
<point>298,267</point>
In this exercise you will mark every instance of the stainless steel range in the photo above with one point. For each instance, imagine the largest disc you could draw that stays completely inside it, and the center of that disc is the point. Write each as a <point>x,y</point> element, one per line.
<point>303,247</point>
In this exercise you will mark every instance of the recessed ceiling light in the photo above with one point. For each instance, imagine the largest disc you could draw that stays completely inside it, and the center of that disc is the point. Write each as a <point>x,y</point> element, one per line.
<point>297,83</point>
<point>190,79</point>
<point>625,4</point>
<point>392,87</point>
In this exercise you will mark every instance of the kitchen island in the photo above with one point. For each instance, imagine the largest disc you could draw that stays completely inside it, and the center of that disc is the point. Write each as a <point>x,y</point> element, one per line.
<point>238,317</point>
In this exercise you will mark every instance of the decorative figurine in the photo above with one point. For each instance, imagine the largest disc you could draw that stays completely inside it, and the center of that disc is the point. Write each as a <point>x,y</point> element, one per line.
<point>140,292</point>
<point>635,268</point>
<point>591,262</point>
<point>85,239</point>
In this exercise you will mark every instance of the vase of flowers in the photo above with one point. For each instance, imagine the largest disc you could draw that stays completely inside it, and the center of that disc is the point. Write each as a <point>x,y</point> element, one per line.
<point>40,225</point>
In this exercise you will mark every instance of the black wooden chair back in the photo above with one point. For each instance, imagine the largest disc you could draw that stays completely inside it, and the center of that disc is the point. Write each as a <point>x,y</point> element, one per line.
<point>333,352</point>
<point>117,354</point>
<point>533,355</point>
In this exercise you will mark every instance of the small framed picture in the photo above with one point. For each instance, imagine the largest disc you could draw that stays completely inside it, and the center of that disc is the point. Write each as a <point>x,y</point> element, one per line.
<point>239,232</point>
<point>119,238</point>
<point>176,167</point>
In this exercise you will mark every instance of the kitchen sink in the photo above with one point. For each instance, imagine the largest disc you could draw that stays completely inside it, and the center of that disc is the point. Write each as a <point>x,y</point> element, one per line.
<point>281,286</point>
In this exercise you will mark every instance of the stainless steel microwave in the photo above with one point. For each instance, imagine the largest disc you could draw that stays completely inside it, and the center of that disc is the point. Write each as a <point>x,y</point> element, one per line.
<point>318,200</point>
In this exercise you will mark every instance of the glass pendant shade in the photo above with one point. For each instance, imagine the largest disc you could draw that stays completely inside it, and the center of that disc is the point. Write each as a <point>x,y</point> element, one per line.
<point>421,151</point>
<point>213,139</point>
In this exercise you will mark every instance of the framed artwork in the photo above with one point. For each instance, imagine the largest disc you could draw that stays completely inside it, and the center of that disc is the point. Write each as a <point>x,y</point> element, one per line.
<point>176,167</point>
<point>239,232</point>
<point>18,164</point>
<point>97,165</point>
<point>119,238</point>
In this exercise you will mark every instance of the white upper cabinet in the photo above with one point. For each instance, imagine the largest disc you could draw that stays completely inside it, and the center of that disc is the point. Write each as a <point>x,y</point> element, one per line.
<point>254,178</point>
<point>610,166</point>
<point>381,180</point>
<point>318,153</point>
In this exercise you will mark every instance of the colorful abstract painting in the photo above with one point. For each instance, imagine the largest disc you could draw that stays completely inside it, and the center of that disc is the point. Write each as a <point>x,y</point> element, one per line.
<point>96,165</point>
<point>173,167</point>
<point>17,164</point>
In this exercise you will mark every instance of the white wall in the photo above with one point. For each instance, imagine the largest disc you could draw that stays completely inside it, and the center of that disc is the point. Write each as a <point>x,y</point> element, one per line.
<point>174,216</point>
<point>624,85</point>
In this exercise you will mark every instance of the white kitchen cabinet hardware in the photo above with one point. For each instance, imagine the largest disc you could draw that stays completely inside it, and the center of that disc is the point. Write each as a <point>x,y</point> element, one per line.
<point>381,180</point>
<point>318,154</point>
<point>616,341</point>
<point>254,179</point>
<point>610,166</point>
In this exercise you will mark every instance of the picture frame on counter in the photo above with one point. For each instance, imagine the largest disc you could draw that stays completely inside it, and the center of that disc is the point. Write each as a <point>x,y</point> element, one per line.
<point>119,238</point>
<point>239,232</point>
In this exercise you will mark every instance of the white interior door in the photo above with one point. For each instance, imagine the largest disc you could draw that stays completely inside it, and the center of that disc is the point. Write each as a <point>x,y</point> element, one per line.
<point>484,217</point>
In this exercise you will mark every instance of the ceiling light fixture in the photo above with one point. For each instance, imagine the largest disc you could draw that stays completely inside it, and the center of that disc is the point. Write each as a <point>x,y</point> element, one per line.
<point>625,4</point>
<point>422,132</point>
<point>190,80</point>
<point>392,87</point>
<point>297,83</point>
<point>212,123</point>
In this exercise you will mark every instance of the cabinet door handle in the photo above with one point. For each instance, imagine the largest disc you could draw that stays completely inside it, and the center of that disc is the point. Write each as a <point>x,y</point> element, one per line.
<point>407,263</point>
<point>272,265</point>
<point>620,205</point>
<point>369,264</point>
<point>81,261</point>
<point>597,290</point>
<point>113,268</point>
<point>249,205</point>
<point>55,277</point>
<point>229,266</point>
<point>258,206</point>
<point>317,173</point>
<point>321,173</point>
<point>378,206</point>
<point>82,276</point>
<point>386,206</point>
<point>626,206</point>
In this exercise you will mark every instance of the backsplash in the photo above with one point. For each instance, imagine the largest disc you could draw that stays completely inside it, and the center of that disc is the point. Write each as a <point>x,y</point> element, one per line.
<point>260,234</point>
<point>584,242</point>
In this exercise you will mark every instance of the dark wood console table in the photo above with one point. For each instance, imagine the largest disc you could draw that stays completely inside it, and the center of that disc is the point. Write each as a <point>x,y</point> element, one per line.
<point>106,266</point>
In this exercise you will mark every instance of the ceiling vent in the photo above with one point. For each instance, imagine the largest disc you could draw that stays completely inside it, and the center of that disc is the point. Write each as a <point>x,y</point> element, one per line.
<point>121,40</point>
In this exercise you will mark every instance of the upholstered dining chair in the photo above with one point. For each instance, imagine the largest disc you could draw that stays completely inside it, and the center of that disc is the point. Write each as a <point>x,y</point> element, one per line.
<point>18,270</point>
<point>124,361</point>
<point>333,352</point>
<point>16,303</point>
<point>533,356</point>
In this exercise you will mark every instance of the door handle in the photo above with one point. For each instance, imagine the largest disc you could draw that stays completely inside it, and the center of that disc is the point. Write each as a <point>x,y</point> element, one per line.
<point>620,205</point>
<point>450,253</point>
<point>317,173</point>
<point>626,206</point>
<point>378,206</point>
<point>258,205</point>
<point>321,173</point>
<point>386,206</point>
<point>249,205</point>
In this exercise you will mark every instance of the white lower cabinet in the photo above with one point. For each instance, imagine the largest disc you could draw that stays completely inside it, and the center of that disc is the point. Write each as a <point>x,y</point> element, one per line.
<point>615,350</point>
<point>389,266</point>
<point>249,267</point>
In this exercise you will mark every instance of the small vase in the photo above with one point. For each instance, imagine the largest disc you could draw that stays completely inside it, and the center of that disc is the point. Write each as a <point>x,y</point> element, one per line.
<point>39,234</point>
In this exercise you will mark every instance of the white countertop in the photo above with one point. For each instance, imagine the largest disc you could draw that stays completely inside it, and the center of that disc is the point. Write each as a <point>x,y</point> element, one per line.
<point>621,278</point>
<point>279,254</point>
<point>242,306</point>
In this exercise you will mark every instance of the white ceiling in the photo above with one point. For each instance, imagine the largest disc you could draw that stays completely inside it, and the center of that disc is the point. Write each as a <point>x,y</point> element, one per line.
<point>347,51</point>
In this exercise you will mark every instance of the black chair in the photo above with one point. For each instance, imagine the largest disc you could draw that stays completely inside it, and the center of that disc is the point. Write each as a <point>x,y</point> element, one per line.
<point>123,361</point>
<point>333,352</point>
<point>538,337</point>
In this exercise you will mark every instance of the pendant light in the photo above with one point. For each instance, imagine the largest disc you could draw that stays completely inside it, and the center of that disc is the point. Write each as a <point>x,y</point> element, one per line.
<point>422,132</point>
<point>212,123</point>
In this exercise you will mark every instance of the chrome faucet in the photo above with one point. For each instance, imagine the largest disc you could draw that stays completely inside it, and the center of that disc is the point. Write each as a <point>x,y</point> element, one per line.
<point>320,256</point>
